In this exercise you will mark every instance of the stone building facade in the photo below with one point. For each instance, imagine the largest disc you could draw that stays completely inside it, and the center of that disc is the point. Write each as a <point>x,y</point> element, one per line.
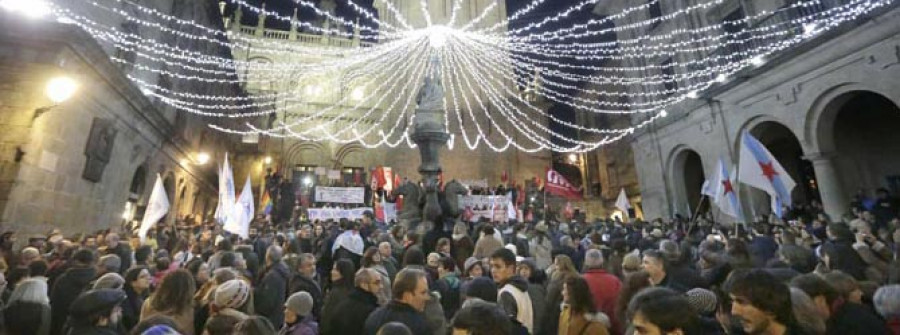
<point>90,163</point>
<point>825,108</point>
<point>298,158</point>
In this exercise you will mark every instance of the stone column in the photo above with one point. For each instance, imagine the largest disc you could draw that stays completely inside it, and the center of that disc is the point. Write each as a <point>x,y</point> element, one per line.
<point>834,198</point>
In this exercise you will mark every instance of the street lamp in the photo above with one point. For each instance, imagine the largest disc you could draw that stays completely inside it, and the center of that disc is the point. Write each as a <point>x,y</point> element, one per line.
<point>307,181</point>
<point>573,158</point>
<point>58,90</point>
<point>267,160</point>
<point>34,9</point>
<point>202,158</point>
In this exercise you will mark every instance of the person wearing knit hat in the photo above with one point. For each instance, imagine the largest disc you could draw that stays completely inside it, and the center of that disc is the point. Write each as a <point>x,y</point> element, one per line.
<point>704,301</point>
<point>110,280</point>
<point>231,294</point>
<point>96,312</point>
<point>298,318</point>
<point>482,288</point>
<point>473,269</point>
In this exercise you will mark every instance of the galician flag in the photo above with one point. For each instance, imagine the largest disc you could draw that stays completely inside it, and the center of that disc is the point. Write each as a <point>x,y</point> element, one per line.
<point>758,168</point>
<point>622,202</point>
<point>725,196</point>
<point>157,208</point>
<point>241,213</point>
<point>226,192</point>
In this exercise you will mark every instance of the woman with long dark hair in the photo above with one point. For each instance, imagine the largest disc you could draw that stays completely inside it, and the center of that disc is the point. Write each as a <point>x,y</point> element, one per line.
<point>173,298</point>
<point>339,287</point>
<point>137,287</point>
<point>579,315</point>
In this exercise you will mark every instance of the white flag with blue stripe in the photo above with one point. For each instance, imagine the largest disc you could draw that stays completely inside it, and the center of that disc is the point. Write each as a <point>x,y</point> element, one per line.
<point>759,169</point>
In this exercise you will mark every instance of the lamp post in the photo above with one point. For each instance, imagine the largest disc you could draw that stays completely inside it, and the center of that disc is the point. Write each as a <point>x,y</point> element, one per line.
<point>430,134</point>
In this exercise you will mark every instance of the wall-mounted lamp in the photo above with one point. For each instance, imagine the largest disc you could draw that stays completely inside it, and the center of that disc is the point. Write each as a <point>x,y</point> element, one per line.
<point>58,90</point>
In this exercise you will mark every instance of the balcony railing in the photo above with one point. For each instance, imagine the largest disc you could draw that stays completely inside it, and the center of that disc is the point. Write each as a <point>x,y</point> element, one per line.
<point>332,41</point>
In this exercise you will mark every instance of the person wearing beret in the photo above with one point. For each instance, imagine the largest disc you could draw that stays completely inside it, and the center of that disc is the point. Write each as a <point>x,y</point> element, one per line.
<point>96,312</point>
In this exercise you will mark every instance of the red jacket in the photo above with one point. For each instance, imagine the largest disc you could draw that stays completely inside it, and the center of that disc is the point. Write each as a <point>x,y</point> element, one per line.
<point>605,289</point>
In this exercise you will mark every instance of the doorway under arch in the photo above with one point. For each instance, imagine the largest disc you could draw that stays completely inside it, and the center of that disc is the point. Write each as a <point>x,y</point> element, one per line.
<point>864,140</point>
<point>784,145</point>
<point>688,168</point>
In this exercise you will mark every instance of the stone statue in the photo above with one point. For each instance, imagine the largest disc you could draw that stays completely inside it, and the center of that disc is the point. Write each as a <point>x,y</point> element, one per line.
<point>431,97</point>
<point>413,197</point>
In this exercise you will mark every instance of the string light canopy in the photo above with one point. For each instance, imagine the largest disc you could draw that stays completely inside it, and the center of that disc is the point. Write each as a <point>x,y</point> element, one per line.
<point>355,79</point>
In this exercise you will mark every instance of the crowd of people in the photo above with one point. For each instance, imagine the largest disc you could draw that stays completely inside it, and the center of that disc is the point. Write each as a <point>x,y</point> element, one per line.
<point>806,274</point>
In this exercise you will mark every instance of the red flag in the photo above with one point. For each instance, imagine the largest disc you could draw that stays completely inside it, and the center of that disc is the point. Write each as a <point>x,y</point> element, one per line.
<point>379,211</point>
<point>378,178</point>
<point>399,203</point>
<point>397,180</point>
<point>520,198</point>
<point>504,176</point>
<point>557,184</point>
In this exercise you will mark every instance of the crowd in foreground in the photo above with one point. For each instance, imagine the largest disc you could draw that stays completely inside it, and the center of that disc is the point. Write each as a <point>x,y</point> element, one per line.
<point>805,274</point>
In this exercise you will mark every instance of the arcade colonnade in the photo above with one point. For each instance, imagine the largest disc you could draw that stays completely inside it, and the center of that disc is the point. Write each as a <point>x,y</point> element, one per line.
<point>829,113</point>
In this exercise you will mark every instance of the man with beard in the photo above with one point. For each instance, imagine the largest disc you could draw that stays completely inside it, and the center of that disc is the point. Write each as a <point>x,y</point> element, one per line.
<point>762,304</point>
<point>307,280</point>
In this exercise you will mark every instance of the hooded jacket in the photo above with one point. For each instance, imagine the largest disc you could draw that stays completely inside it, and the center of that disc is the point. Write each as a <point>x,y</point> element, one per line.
<point>66,288</point>
<point>514,299</point>
<point>448,288</point>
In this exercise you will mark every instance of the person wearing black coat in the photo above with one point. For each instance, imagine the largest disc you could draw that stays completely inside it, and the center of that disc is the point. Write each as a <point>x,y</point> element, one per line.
<point>271,293</point>
<point>114,247</point>
<point>69,285</point>
<point>305,280</point>
<point>342,279</point>
<point>410,293</point>
<point>397,311</point>
<point>350,315</point>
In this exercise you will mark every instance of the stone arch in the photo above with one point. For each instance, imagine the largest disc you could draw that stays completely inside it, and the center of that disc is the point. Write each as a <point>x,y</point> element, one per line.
<point>138,183</point>
<point>349,155</point>
<point>853,128</point>
<point>307,153</point>
<point>686,177</point>
<point>169,185</point>
<point>784,143</point>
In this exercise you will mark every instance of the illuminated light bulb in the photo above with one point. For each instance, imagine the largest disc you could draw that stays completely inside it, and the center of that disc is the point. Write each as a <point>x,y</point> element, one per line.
<point>60,89</point>
<point>35,9</point>
<point>693,95</point>
<point>437,36</point>
<point>202,158</point>
<point>758,61</point>
<point>358,93</point>
<point>663,113</point>
<point>722,78</point>
<point>810,28</point>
